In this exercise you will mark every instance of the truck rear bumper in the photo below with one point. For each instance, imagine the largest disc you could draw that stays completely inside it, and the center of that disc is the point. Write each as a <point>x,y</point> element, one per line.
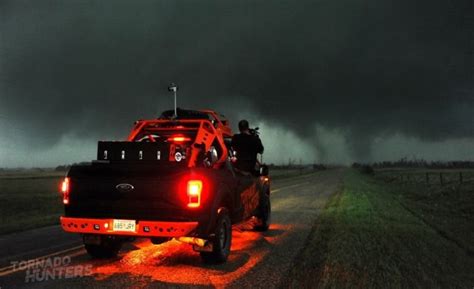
<point>142,228</point>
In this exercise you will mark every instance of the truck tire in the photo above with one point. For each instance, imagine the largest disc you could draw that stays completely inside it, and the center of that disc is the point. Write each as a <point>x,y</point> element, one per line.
<point>264,213</point>
<point>221,242</point>
<point>108,248</point>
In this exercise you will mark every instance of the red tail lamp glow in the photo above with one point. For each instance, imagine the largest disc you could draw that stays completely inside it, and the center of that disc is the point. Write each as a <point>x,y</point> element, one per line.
<point>65,190</point>
<point>194,193</point>
<point>179,139</point>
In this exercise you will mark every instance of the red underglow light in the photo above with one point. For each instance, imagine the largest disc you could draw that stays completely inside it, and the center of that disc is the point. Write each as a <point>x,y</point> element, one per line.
<point>65,190</point>
<point>194,193</point>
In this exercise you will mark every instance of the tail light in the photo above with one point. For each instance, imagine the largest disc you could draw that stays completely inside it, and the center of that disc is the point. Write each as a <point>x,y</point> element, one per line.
<point>65,190</point>
<point>194,193</point>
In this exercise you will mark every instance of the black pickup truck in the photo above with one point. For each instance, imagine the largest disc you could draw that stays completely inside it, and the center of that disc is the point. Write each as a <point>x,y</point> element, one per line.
<point>172,178</point>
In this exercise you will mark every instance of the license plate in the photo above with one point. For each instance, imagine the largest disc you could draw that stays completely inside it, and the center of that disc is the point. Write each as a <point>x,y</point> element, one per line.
<point>124,226</point>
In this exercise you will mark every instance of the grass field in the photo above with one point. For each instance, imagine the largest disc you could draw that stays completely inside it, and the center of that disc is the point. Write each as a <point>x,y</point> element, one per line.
<point>29,199</point>
<point>379,234</point>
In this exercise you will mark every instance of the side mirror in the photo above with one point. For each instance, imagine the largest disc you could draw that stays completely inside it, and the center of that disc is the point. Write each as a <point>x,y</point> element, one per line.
<point>264,170</point>
<point>211,157</point>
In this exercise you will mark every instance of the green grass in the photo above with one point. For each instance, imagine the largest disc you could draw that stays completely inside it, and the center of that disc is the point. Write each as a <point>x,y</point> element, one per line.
<point>29,200</point>
<point>448,208</point>
<point>375,235</point>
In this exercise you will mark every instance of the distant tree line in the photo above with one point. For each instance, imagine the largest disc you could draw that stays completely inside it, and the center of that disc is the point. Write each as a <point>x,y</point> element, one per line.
<point>364,168</point>
<point>418,163</point>
<point>298,166</point>
<point>62,168</point>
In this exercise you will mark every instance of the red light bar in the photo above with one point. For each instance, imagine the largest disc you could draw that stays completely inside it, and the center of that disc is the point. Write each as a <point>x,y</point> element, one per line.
<point>179,139</point>
<point>194,193</point>
<point>65,190</point>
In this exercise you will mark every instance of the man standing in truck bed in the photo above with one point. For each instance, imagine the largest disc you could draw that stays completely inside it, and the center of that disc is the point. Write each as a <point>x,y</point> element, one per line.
<point>247,146</point>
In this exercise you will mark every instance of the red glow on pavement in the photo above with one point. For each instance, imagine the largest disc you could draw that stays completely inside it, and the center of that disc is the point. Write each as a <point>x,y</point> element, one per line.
<point>175,262</point>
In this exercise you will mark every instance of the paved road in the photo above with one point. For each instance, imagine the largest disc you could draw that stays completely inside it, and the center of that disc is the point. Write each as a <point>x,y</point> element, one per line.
<point>257,260</point>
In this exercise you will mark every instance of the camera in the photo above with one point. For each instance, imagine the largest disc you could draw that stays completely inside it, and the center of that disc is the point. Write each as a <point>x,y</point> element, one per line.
<point>254,131</point>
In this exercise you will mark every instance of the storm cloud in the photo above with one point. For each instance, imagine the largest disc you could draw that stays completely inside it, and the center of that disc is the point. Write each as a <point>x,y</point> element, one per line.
<point>361,70</point>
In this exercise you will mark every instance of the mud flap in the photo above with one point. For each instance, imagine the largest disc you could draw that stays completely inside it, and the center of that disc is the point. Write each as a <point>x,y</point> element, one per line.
<point>207,248</point>
<point>90,239</point>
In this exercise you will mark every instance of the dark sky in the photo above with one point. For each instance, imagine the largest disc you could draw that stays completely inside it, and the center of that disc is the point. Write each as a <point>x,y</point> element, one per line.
<point>364,71</point>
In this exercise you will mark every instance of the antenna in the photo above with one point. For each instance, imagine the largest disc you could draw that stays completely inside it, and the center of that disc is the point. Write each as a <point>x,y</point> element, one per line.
<point>174,88</point>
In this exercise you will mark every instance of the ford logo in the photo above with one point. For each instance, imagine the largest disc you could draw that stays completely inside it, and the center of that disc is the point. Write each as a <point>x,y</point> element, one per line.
<point>124,188</point>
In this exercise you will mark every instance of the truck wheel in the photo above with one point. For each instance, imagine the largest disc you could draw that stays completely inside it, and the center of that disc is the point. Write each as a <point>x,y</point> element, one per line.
<point>221,242</point>
<point>108,248</point>
<point>264,213</point>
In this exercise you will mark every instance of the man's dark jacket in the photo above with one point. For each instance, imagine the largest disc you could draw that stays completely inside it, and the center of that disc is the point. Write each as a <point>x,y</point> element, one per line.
<point>247,147</point>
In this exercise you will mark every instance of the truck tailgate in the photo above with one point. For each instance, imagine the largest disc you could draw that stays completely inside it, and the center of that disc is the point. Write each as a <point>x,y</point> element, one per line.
<point>126,190</point>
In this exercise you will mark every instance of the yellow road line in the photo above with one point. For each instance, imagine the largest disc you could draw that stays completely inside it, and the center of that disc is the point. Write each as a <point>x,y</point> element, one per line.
<point>287,187</point>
